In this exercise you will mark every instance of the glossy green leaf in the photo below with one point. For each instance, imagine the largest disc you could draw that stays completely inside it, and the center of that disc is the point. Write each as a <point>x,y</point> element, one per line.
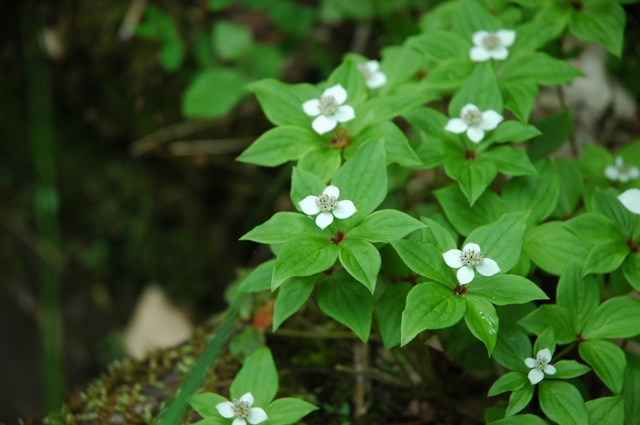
<point>321,160</point>
<point>292,295</point>
<point>617,317</point>
<point>556,130</point>
<point>606,257</point>
<point>437,235</point>
<point>303,256</point>
<point>389,313</point>
<point>580,296</point>
<point>541,67</point>
<point>603,23</point>
<point>441,45</point>
<point>282,103</point>
<point>283,227</point>
<point>258,367</point>
<point>507,289</point>
<point>511,381</point>
<point>481,89</point>
<point>396,143</point>
<point>606,202</point>
<point>449,74</point>
<point>550,315</point>
<point>606,411</point>
<point>213,93</point>
<point>473,176</point>
<point>562,403</point>
<point>287,411</point>
<point>472,17</point>
<point>381,226</point>
<point>303,184</point>
<point>482,320</point>
<point>259,279</point>
<point>362,260</point>
<point>205,404</point>
<point>521,420</point>
<point>567,369</point>
<point>425,260</point>
<point>518,95</point>
<point>593,228</point>
<point>519,399</point>
<point>464,218</point>
<point>512,131</point>
<point>607,361</point>
<point>231,41</point>
<point>511,161</point>
<point>551,246</point>
<point>279,145</point>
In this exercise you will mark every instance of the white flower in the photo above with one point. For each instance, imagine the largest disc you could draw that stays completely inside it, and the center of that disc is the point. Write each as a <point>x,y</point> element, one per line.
<point>467,258</point>
<point>242,411</point>
<point>328,206</point>
<point>621,172</point>
<point>474,122</point>
<point>329,109</point>
<point>539,366</point>
<point>374,78</point>
<point>631,200</point>
<point>491,45</point>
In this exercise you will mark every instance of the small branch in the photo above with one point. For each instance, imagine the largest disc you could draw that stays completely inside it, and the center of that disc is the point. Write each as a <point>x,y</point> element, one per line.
<point>166,134</point>
<point>362,390</point>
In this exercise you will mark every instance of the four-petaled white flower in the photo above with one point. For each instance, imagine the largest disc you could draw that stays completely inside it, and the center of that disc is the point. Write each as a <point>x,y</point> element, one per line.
<point>242,411</point>
<point>630,198</point>
<point>539,366</point>
<point>474,122</point>
<point>328,206</point>
<point>466,259</point>
<point>621,171</point>
<point>491,45</point>
<point>329,109</point>
<point>374,78</point>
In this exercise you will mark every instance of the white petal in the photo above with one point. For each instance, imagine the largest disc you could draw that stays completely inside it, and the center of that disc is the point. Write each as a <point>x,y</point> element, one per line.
<point>331,190</point>
<point>324,219</point>
<point>239,421</point>
<point>465,275</point>
<point>247,398</point>
<point>309,206</point>
<point>311,107</point>
<point>225,409</point>
<point>472,246</point>
<point>323,124</point>
<point>623,177</point>
<point>344,209</point>
<point>376,80</point>
<point>531,363</point>
<point>257,415</point>
<point>469,107</point>
<point>488,267</point>
<point>344,113</point>
<point>479,54</point>
<point>507,37</point>
<point>456,125</point>
<point>499,53</point>
<point>631,200</point>
<point>475,134</point>
<point>452,258</point>
<point>372,66</point>
<point>549,369</point>
<point>634,173</point>
<point>611,172</point>
<point>478,37</point>
<point>544,354</point>
<point>535,376</point>
<point>490,119</point>
<point>338,92</point>
<point>619,161</point>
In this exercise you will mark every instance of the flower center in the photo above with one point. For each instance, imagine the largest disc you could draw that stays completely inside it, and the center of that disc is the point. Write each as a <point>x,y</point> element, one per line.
<point>491,41</point>
<point>624,169</point>
<point>241,408</point>
<point>472,117</point>
<point>471,257</point>
<point>364,70</point>
<point>328,105</point>
<point>326,202</point>
<point>541,363</point>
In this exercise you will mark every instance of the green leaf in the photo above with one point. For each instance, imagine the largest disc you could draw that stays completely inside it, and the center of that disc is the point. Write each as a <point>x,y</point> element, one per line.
<point>231,41</point>
<point>580,296</point>
<point>607,361</point>
<point>550,315</point>
<point>399,63</point>
<point>541,67</point>
<point>548,24</point>
<point>606,257</point>
<point>502,240</point>
<point>519,399</point>
<point>293,18</point>
<point>606,202</point>
<point>246,342</point>
<point>348,302</point>
<point>482,320</point>
<point>568,369</point>
<point>521,420</point>
<point>474,176</point>
<point>631,389</point>
<point>205,404</point>
<point>562,403</point>
<point>384,108</point>
<point>464,218</point>
<point>571,187</point>
<point>303,256</point>
<point>448,75</point>
<point>322,161</point>
<point>593,228</point>
<point>279,145</point>
<point>507,289</point>
<point>286,411</point>
<point>259,279</point>
<point>283,227</point>
<point>511,161</point>
<point>389,313</point>
<point>292,295</point>
<point>511,381</point>
<point>396,144</point>
<point>546,339</point>
<point>439,17</point>
<point>426,260</point>
<point>631,270</point>
<point>430,121</point>
<point>363,179</point>
<point>536,193</point>
<point>617,317</point>
<point>551,246</point>
<point>159,25</point>
<point>606,411</point>
<point>441,45</point>
<point>472,17</point>
<point>481,89</point>
<point>282,103</point>
<point>362,260</point>
<point>263,61</point>
<point>437,235</point>
<point>556,130</point>
<point>213,421</point>
<point>257,376</point>
<point>348,75</point>
<point>430,306</point>
<point>216,5</point>
<point>381,226</point>
<point>303,184</point>
<point>518,95</point>
<point>513,345</point>
<point>512,131</point>
<point>213,93</point>
<point>603,23</point>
